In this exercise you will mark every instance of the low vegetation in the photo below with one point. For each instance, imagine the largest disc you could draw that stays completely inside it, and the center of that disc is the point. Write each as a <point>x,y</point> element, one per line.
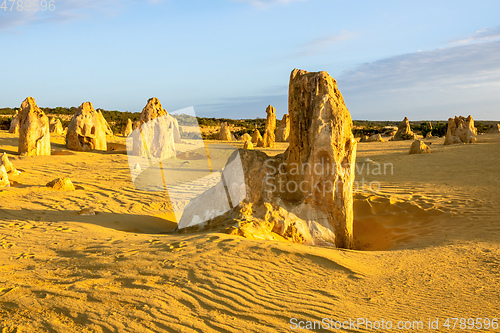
<point>118,121</point>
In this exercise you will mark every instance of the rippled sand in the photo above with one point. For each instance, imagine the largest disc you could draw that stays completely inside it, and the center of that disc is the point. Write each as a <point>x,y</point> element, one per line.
<point>428,246</point>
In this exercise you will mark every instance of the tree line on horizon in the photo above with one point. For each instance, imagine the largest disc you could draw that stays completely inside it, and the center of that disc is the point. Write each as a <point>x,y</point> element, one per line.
<point>118,121</point>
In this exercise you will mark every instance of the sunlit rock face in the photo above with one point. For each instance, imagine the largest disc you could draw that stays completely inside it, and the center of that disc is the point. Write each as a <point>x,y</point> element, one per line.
<point>86,130</point>
<point>128,128</point>
<point>269,138</point>
<point>283,130</point>
<point>256,138</point>
<point>303,195</point>
<point>55,126</point>
<point>34,133</point>
<point>225,133</point>
<point>404,131</point>
<point>154,135</point>
<point>460,130</point>
<point>419,147</point>
<point>14,124</point>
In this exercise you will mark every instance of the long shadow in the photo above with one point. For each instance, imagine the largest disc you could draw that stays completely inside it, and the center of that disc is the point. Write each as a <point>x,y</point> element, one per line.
<point>132,223</point>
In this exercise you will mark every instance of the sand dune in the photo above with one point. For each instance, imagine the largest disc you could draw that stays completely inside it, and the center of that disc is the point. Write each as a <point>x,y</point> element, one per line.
<point>432,227</point>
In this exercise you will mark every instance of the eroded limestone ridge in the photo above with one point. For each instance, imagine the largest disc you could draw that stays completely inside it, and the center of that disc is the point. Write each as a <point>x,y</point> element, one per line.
<point>303,195</point>
<point>460,130</point>
<point>34,133</point>
<point>86,130</point>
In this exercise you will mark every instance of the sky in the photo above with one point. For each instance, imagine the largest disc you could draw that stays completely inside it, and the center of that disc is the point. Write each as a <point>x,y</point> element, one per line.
<point>428,60</point>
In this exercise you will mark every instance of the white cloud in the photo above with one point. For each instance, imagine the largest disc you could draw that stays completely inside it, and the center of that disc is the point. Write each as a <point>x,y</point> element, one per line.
<point>317,46</point>
<point>449,66</point>
<point>427,85</point>
<point>480,36</point>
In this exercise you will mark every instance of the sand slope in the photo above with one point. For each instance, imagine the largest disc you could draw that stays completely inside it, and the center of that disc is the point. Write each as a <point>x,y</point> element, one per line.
<point>434,223</point>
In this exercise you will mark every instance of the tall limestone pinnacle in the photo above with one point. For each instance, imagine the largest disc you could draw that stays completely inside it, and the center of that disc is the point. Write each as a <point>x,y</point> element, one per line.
<point>155,134</point>
<point>304,195</point>
<point>269,138</point>
<point>34,132</point>
<point>321,135</point>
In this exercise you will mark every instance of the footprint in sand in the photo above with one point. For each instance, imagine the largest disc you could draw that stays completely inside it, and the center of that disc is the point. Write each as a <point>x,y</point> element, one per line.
<point>23,256</point>
<point>7,245</point>
<point>126,254</point>
<point>177,246</point>
<point>169,264</point>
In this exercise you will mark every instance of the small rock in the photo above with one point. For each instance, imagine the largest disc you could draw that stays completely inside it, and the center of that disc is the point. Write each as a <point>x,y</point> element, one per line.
<point>419,147</point>
<point>61,184</point>
<point>248,145</point>
<point>86,211</point>
<point>4,178</point>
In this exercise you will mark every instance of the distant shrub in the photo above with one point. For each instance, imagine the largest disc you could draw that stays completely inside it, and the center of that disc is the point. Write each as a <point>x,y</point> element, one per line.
<point>5,124</point>
<point>439,129</point>
<point>407,136</point>
<point>481,128</point>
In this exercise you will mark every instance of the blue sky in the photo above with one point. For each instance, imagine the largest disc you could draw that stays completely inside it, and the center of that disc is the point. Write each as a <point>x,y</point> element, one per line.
<point>231,58</point>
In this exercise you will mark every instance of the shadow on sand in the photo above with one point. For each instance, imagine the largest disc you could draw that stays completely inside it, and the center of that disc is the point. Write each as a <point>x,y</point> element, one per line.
<point>133,223</point>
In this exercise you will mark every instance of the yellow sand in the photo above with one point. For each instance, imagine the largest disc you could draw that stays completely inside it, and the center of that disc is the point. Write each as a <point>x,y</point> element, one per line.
<point>433,223</point>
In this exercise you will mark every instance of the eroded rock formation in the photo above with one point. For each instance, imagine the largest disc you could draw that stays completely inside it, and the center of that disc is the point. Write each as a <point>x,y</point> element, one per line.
<point>86,130</point>
<point>283,130</point>
<point>248,145</point>
<point>9,167</point>
<point>34,133</point>
<point>303,195</point>
<point>375,138</point>
<point>419,147</point>
<point>55,126</point>
<point>495,129</point>
<point>256,137</point>
<point>61,184</point>
<point>460,130</point>
<point>4,178</point>
<point>269,138</point>
<point>225,133</point>
<point>6,167</point>
<point>128,128</point>
<point>154,134</point>
<point>404,131</point>
<point>107,128</point>
<point>246,137</point>
<point>14,124</point>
